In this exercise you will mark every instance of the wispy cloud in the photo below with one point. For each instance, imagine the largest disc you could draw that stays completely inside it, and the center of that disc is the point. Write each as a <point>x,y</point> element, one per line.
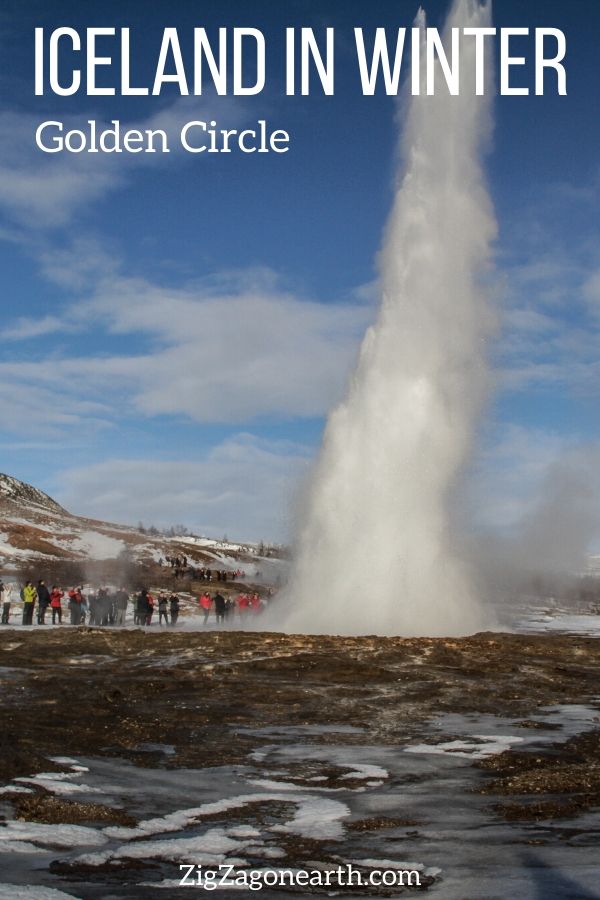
<point>241,487</point>
<point>24,328</point>
<point>41,191</point>
<point>231,350</point>
<point>551,300</point>
<point>30,408</point>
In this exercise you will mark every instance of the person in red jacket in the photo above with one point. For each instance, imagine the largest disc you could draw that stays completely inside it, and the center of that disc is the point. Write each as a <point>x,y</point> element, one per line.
<point>206,605</point>
<point>56,596</point>
<point>75,602</point>
<point>150,608</point>
<point>242,604</point>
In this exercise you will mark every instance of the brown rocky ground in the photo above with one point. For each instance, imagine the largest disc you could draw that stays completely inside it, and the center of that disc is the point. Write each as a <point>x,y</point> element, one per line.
<point>102,692</point>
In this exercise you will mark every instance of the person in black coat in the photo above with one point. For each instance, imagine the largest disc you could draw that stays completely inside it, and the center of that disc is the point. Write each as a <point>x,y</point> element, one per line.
<point>43,601</point>
<point>174,608</point>
<point>121,600</point>
<point>141,609</point>
<point>219,601</point>
<point>163,606</point>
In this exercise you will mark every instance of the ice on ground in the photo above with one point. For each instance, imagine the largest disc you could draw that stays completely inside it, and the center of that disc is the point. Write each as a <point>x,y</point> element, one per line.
<point>317,817</point>
<point>266,852</point>
<point>53,782</point>
<point>181,818</point>
<point>299,730</point>
<point>51,776</point>
<point>562,622</point>
<point>11,847</point>
<point>206,849</point>
<point>487,745</point>
<point>243,831</point>
<point>572,717</point>
<point>269,785</point>
<point>387,864</point>
<point>175,821</point>
<point>68,761</point>
<point>175,883</point>
<point>53,835</point>
<point>374,776</point>
<point>383,864</point>
<point>165,883</point>
<point>364,770</point>
<point>32,892</point>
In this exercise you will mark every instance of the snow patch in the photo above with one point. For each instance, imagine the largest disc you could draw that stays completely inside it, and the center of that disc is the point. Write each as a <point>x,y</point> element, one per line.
<point>32,892</point>
<point>482,746</point>
<point>269,785</point>
<point>53,835</point>
<point>57,783</point>
<point>364,770</point>
<point>562,622</point>
<point>68,761</point>
<point>95,545</point>
<point>317,817</point>
<point>206,849</point>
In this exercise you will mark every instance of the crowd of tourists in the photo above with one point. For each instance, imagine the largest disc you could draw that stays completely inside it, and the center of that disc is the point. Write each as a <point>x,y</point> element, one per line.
<point>101,606</point>
<point>182,568</point>
<point>226,608</point>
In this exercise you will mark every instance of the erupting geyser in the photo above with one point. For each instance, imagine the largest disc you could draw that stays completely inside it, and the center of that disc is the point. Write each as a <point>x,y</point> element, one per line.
<point>375,552</point>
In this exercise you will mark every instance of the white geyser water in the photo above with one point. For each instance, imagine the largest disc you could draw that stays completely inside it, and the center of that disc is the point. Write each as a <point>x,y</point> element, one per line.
<point>376,549</point>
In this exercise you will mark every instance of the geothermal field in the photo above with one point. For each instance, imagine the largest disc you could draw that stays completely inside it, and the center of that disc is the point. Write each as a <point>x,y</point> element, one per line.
<point>383,713</point>
<point>473,761</point>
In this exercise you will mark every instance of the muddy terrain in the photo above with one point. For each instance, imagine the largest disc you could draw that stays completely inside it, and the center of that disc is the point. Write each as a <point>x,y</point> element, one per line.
<point>297,714</point>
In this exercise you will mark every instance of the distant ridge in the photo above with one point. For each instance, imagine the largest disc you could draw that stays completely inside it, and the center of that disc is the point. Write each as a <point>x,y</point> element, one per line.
<point>19,491</point>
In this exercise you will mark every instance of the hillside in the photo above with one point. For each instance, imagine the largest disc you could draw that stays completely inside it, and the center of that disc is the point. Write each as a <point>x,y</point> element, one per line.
<point>33,527</point>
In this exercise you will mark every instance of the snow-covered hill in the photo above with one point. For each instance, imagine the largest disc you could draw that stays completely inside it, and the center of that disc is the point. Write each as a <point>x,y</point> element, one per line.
<point>34,526</point>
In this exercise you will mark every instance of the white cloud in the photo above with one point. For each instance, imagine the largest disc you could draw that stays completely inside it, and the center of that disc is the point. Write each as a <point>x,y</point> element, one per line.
<point>229,351</point>
<point>551,331</point>
<point>82,263</point>
<point>41,190</point>
<point>549,262</point>
<point>241,487</point>
<point>26,327</point>
<point>34,409</point>
<point>38,190</point>
<point>591,291</point>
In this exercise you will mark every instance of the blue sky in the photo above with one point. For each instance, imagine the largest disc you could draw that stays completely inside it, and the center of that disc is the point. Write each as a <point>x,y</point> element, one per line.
<point>174,331</point>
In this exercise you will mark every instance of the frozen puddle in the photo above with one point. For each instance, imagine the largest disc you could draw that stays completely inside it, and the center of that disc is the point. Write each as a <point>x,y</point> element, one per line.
<point>32,892</point>
<point>258,819</point>
<point>560,621</point>
<point>376,807</point>
<point>480,747</point>
<point>569,719</point>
